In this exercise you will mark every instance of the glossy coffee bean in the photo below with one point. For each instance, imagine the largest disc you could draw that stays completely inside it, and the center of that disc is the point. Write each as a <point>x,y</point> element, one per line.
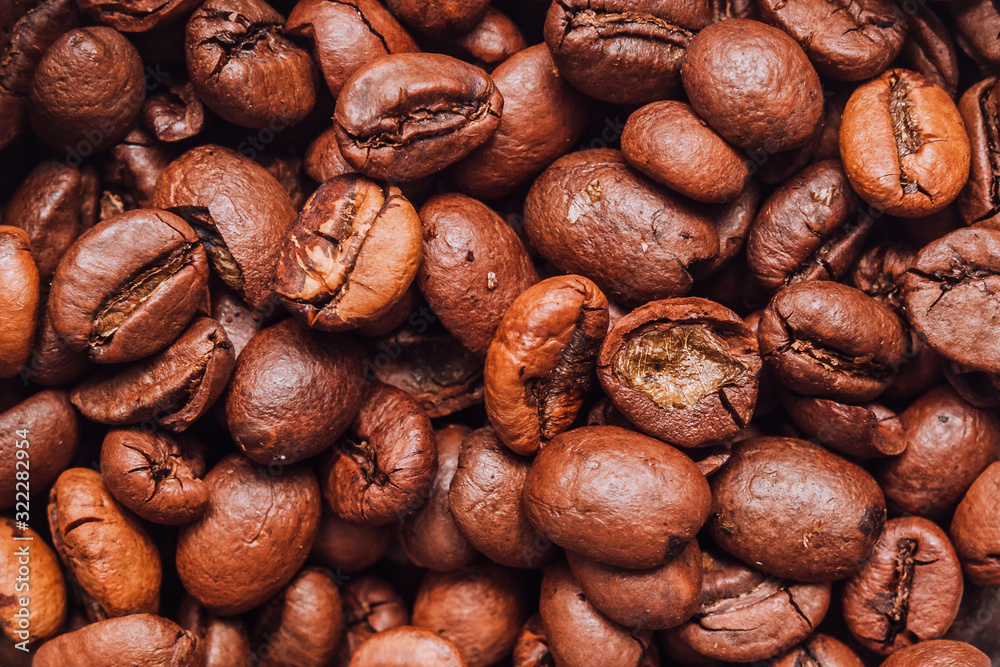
<point>763,514</point>
<point>141,639</point>
<point>19,300</point>
<point>975,530</point>
<point>904,145</point>
<point>439,17</point>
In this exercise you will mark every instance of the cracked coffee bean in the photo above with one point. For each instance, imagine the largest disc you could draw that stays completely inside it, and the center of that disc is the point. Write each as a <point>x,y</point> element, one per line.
<point>175,114</point>
<point>764,512</point>
<point>139,639</point>
<point>880,271</point>
<point>371,605</point>
<point>975,529</point>
<point>929,49</point>
<point>908,591</point>
<point>19,300</point>
<point>904,144</point>
<point>682,370</point>
<point>869,430</point>
<point>137,15</point>
<point>979,201</point>
<point>410,115</point>
<point>350,256</point>
<point>819,650</point>
<point>541,361</point>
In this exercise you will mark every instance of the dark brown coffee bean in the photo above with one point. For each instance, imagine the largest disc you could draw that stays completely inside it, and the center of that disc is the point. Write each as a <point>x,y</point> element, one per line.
<point>920,372</point>
<point>975,529</point>
<point>485,500</point>
<point>474,266</point>
<point>864,431</point>
<point>430,536</point>
<point>19,300</point>
<point>590,213</point>
<point>139,639</point>
<point>668,142</point>
<point>622,52</point>
<point>826,339</point>
<point>819,651</point>
<point>52,362</point>
<point>978,23</point>
<point>879,272</point>
<point>908,591</point>
<point>370,605</point>
<point>137,16</point>
<point>490,42</point>
<point>938,653</point>
<point>846,41</point>
<point>155,476</point>
<point>384,125</point>
<point>96,112</point>
<point>929,49</point>
<point>682,370</point>
<point>541,362</point>
<point>323,159</point>
<point>104,547</point>
<point>943,432</point>
<point>976,388</point>
<point>732,222</point>
<point>54,204</point>
<point>578,635</point>
<point>240,322</point>
<point>439,17</point>
<point>808,229</point>
<point>904,145</point>
<point>174,114</point>
<point>128,287</point>
<point>532,647</point>
<point>132,166</point>
<point>956,279</point>
<point>574,495</point>
<point>763,513</point>
<point>777,107</point>
<point>348,547</point>
<point>45,583</point>
<point>479,607</point>
<point>302,624</point>
<point>293,393</point>
<point>174,388</point>
<point>347,35</point>
<point>662,597</point>
<point>224,641</point>
<point>542,117</point>
<point>407,646</point>
<point>744,615</point>
<point>383,468</point>
<point>979,200</point>
<point>254,536</point>
<point>352,253</point>
<point>244,68</point>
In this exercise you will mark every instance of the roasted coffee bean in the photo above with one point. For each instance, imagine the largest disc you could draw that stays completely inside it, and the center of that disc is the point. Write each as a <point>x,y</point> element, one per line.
<point>136,16</point>
<point>975,529</point>
<point>128,287</point>
<point>744,615</point>
<point>819,651</point>
<point>410,115</point>
<point>732,222</point>
<point>302,625</point>
<point>474,266</point>
<point>621,52</point>
<point>293,393</point>
<point>347,547</point>
<point>155,476</point>
<point>682,370</point>
<point>323,159</point>
<point>578,635</point>
<point>430,536</point>
<point>943,433</point>
<point>976,388</point>
<point>979,201</point>
<point>929,49</point>
<point>139,639</point>
<point>542,117</point>
<point>576,496</point>
<point>350,256</point>
<point>541,361</point>
<point>532,647</point>
<point>371,605</point>
<point>590,213</point>
<point>765,514</point>
<point>950,296</point>
<point>777,107</point>
<point>879,272</point>
<point>54,204</point>
<point>908,591</point>
<point>407,646</point>
<point>173,388</point>
<point>662,597</point>
<point>490,42</point>
<point>938,653</point>
<point>240,322</point>
<point>479,607</point>
<point>107,95</point>
<point>19,300</point>
<point>244,68</point>
<point>920,372</point>
<point>347,35</point>
<point>45,584</point>
<point>863,431</point>
<point>485,500</point>
<point>439,17</point>
<point>132,166</point>
<point>829,340</point>
<point>224,641</point>
<point>904,145</point>
<point>383,468</point>
<point>175,114</point>
<point>239,211</point>
<point>978,22</point>
<point>846,41</point>
<point>668,142</point>
<point>105,549</point>
<point>252,539</point>
<point>808,229</point>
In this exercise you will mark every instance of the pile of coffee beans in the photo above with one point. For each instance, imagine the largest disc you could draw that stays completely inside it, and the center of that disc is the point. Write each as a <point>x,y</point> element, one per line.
<point>440,333</point>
